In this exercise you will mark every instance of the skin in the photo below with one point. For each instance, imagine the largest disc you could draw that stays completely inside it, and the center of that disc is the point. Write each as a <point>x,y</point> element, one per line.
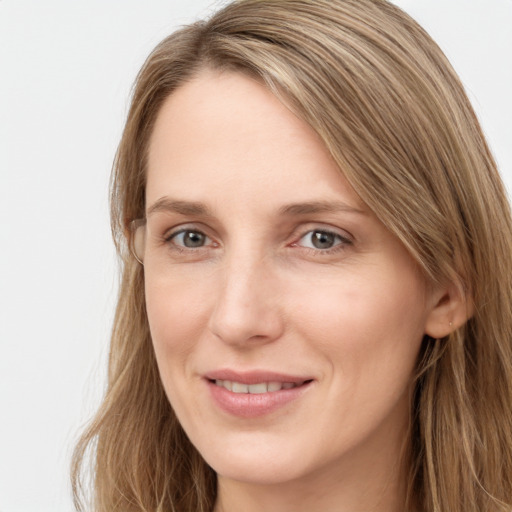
<point>255,292</point>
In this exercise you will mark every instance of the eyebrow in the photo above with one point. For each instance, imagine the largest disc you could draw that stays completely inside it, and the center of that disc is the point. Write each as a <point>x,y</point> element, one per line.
<point>313,207</point>
<point>166,204</point>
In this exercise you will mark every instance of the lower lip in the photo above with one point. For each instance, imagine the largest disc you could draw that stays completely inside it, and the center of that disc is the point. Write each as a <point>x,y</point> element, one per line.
<point>248,405</point>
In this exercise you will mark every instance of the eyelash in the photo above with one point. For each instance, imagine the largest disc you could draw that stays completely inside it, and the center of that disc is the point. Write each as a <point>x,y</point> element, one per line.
<point>342,241</point>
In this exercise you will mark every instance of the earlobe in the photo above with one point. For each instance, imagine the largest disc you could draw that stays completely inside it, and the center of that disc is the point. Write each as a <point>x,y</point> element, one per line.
<point>451,308</point>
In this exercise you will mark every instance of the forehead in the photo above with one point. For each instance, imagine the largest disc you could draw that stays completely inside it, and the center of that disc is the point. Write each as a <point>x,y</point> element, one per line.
<point>224,135</point>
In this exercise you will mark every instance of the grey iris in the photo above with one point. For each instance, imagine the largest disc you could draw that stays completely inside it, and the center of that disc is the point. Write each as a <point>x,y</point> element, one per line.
<point>193,239</point>
<point>322,240</point>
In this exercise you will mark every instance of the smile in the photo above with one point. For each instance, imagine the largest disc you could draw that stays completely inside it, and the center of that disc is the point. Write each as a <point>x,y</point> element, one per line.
<point>254,394</point>
<point>256,389</point>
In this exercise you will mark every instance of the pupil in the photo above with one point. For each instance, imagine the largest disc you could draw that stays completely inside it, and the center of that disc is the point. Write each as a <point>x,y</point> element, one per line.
<point>193,239</point>
<point>322,240</point>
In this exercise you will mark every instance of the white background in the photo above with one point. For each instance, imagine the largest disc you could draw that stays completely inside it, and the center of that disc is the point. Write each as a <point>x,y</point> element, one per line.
<point>66,68</point>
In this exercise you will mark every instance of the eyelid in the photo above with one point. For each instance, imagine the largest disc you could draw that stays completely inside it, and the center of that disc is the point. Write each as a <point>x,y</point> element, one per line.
<point>341,233</point>
<point>173,233</point>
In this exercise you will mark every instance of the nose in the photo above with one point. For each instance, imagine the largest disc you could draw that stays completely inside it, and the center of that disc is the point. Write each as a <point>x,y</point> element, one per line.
<point>247,311</point>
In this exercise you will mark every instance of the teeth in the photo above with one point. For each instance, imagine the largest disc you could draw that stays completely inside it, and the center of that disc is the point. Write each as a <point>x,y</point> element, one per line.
<point>274,386</point>
<point>240,388</point>
<point>260,387</point>
<point>225,383</point>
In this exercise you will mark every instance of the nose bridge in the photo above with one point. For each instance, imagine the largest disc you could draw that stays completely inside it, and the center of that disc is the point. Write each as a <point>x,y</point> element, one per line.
<point>246,308</point>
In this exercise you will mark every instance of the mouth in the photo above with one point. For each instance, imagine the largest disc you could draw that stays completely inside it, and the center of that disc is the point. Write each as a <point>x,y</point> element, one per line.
<point>254,394</point>
<point>257,388</point>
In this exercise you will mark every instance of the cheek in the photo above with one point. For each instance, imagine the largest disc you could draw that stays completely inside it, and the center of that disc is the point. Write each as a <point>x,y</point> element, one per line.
<point>366,325</point>
<point>369,337</point>
<point>176,314</point>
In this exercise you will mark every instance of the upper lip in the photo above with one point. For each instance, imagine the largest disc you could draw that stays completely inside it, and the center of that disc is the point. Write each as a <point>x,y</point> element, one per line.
<point>254,376</point>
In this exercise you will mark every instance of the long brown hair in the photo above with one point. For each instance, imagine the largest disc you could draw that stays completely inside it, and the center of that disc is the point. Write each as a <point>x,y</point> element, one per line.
<point>394,115</point>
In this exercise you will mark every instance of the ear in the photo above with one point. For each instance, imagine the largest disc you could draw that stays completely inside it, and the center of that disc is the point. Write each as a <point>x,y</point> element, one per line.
<point>137,239</point>
<point>451,308</point>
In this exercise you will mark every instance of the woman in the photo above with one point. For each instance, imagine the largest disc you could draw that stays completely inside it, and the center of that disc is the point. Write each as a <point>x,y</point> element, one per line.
<point>315,311</point>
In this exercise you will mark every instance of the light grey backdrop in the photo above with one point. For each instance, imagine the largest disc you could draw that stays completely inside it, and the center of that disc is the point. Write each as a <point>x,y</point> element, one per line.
<point>66,68</point>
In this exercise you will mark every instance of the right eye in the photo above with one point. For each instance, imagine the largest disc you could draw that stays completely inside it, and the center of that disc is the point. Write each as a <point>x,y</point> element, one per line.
<point>189,239</point>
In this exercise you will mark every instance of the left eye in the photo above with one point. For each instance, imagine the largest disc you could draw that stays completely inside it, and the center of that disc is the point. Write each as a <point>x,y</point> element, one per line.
<point>320,239</point>
<point>190,239</point>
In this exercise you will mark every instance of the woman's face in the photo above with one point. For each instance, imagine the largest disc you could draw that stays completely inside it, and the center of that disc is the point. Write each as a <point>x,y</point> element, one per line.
<point>286,319</point>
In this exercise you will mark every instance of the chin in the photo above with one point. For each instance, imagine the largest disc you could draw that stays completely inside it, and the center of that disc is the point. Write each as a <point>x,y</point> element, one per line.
<point>258,472</point>
<point>258,461</point>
